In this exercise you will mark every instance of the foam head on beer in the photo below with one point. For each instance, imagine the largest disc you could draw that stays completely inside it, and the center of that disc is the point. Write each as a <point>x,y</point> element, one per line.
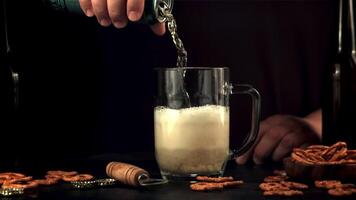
<point>192,140</point>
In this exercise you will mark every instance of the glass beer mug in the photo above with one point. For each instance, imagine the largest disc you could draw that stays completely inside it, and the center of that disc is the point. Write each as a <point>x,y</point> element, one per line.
<point>191,121</point>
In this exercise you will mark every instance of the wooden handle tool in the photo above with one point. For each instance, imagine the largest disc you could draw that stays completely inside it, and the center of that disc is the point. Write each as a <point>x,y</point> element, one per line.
<point>131,175</point>
<point>126,173</point>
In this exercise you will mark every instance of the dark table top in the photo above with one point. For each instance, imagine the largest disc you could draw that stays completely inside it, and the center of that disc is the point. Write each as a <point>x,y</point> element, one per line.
<point>250,174</point>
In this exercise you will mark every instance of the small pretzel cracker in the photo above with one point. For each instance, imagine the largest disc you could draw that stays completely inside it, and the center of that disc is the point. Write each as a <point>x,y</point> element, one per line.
<point>328,184</point>
<point>22,183</point>
<point>206,186</point>
<point>340,192</point>
<point>275,178</point>
<point>232,183</point>
<point>214,179</point>
<point>287,193</point>
<point>294,185</point>
<point>273,186</point>
<point>78,177</point>
<point>47,181</point>
<point>62,173</point>
<point>214,183</point>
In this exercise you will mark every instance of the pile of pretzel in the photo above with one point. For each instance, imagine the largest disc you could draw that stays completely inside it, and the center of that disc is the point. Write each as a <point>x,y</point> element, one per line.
<point>278,185</point>
<point>336,188</point>
<point>214,183</point>
<point>325,155</point>
<point>11,180</point>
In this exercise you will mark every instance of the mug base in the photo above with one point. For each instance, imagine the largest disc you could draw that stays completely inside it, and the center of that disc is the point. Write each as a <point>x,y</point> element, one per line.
<point>188,177</point>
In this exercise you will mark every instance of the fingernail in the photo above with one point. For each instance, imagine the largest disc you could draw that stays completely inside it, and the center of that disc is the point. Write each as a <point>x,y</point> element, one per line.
<point>239,161</point>
<point>89,12</point>
<point>105,22</point>
<point>134,16</point>
<point>257,161</point>
<point>119,24</point>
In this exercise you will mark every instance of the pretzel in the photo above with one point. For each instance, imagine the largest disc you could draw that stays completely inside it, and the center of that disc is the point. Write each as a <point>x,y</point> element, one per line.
<point>232,183</point>
<point>349,186</point>
<point>4,178</point>
<point>300,157</point>
<point>11,175</point>
<point>343,190</point>
<point>277,186</point>
<point>348,161</point>
<point>79,177</point>
<point>22,179</point>
<point>294,185</point>
<point>340,192</point>
<point>53,176</point>
<point>62,173</point>
<point>214,183</point>
<point>275,178</point>
<point>315,157</point>
<point>324,155</point>
<point>22,183</point>
<point>283,193</point>
<point>351,154</point>
<point>273,186</point>
<point>329,152</point>
<point>328,184</point>
<point>214,179</point>
<point>339,154</point>
<point>317,147</point>
<point>47,181</point>
<point>206,186</point>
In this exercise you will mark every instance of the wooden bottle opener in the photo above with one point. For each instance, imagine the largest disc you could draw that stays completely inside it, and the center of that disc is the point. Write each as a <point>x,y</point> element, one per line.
<point>131,175</point>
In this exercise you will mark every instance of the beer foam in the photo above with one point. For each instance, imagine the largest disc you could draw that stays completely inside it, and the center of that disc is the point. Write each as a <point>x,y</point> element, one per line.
<point>195,137</point>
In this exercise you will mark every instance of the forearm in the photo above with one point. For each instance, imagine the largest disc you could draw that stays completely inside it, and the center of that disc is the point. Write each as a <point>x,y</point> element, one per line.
<point>314,119</point>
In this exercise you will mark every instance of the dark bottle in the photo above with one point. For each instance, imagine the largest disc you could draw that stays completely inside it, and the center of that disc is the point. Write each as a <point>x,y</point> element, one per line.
<point>151,15</point>
<point>339,109</point>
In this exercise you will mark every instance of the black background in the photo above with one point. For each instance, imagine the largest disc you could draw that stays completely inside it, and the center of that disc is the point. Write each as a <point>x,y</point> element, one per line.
<point>87,90</point>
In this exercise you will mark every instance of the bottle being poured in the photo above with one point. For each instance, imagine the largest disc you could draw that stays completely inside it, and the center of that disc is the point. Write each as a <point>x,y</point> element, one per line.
<point>182,56</point>
<point>155,11</point>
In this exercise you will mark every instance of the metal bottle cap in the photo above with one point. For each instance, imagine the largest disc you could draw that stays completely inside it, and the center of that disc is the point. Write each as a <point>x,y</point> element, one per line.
<point>166,4</point>
<point>11,191</point>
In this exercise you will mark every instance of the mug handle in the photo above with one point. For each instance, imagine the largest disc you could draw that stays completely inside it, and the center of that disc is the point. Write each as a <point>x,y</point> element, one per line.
<point>255,119</point>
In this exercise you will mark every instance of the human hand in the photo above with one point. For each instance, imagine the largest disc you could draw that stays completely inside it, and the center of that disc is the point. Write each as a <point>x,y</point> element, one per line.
<point>117,12</point>
<point>277,137</point>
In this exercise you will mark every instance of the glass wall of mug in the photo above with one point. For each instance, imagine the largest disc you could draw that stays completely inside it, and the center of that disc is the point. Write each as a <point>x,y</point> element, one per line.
<point>191,121</point>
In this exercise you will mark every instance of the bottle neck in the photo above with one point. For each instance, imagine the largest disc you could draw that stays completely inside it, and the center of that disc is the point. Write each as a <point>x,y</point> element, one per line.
<point>71,6</point>
<point>346,34</point>
<point>151,15</point>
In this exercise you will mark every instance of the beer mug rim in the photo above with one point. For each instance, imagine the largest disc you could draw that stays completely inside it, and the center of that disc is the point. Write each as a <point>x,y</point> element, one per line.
<point>189,68</point>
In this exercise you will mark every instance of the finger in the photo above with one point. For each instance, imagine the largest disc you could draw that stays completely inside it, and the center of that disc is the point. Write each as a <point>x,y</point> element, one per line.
<point>286,145</point>
<point>117,12</point>
<point>268,143</point>
<point>159,28</point>
<point>245,157</point>
<point>100,8</point>
<point>87,7</point>
<point>135,9</point>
